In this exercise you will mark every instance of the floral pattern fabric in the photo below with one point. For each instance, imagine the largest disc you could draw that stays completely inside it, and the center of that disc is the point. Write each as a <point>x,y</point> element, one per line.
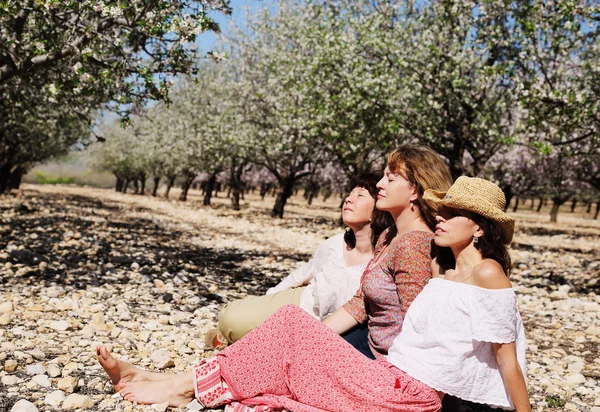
<point>389,285</point>
<point>294,362</point>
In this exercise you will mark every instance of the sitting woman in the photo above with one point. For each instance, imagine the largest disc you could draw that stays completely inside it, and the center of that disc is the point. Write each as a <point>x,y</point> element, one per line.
<point>402,265</point>
<point>327,281</point>
<point>462,335</point>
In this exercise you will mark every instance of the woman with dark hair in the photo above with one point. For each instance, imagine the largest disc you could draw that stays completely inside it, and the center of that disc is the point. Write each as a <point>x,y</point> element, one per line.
<point>327,281</point>
<point>463,335</point>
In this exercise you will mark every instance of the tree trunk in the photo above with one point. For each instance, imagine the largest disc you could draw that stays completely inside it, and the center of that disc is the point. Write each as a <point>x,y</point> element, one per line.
<point>170,184</point>
<point>597,209</point>
<point>327,194</point>
<point>142,183</point>
<point>4,177</point>
<point>589,208</point>
<point>264,188</point>
<point>185,187</point>
<point>16,176</point>
<point>118,184</point>
<point>287,188</point>
<point>573,205</point>
<point>125,186</point>
<point>210,186</point>
<point>556,203</point>
<point>516,205</point>
<point>156,180</point>
<point>235,183</point>
<point>540,204</point>
<point>532,202</point>
<point>508,194</point>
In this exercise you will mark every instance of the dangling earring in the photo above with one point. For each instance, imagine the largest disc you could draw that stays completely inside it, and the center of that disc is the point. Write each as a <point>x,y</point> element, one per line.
<point>412,206</point>
<point>370,220</point>
<point>475,239</point>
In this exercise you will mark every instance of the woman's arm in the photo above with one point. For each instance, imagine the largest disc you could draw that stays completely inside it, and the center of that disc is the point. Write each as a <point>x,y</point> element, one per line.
<point>340,321</point>
<point>506,356</point>
<point>299,277</point>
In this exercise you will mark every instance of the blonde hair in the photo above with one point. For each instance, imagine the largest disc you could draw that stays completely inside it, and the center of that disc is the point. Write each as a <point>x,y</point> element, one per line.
<point>425,169</point>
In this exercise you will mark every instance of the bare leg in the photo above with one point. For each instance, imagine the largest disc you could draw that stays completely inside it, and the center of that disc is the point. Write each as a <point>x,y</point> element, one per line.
<point>121,372</point>
<point>177,390</point>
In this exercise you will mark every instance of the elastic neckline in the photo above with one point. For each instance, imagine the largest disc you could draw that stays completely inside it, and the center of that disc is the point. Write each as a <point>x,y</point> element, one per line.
<point>472,286</point>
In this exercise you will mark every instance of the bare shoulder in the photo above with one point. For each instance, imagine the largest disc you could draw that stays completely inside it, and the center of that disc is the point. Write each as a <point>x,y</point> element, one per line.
<point>490,275</point>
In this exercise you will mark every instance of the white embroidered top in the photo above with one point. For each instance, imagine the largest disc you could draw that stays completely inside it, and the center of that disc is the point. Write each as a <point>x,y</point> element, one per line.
<point>330,283</point>
<point>446,340</point>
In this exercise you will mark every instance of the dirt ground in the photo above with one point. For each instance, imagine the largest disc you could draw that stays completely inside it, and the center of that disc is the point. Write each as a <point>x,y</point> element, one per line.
<point>82,266</point>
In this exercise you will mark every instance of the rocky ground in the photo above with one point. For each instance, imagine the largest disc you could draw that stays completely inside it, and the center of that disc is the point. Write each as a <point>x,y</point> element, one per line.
<point>147,277</point>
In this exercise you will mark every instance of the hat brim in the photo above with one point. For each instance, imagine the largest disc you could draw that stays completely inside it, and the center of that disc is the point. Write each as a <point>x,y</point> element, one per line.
<point>479,206</point>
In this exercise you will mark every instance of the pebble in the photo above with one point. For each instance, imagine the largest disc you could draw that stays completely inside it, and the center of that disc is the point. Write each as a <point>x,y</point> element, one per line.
<point>67,384</point>
<point>53,370</point>
<point>77,401</point>
<point>160,407</point>
<point>169,287</point>
<point>54,398</point>
<point>42,380</point>
<point>10,365</point>
<point>161,359</point>
<point>35,369</point>
<point>60,325</point>
<point>9,380</point>
<point>24,406</point>
<point>6,307</point>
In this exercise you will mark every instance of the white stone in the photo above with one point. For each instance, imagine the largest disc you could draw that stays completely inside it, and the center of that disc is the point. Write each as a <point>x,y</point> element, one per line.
<point>24,406</point>
<point>6,307</point>
<point>53,370</point>
<point>160,407</point>
<point>161,359</point>
<point>54,398</point>
<point>36,369</point>
<point>60,325</point>
<point>575,379</point>
<point>42,380</point>
<point>9,380</point>
<point>77,401</point>
<point>194,406</point>
<point>68,384</point>
<point>37,354</point>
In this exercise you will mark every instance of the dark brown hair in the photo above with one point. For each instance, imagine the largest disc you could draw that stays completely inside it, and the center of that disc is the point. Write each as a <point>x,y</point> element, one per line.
<point>491,246</point>
<point>425,169</point>
<point>380,220</point>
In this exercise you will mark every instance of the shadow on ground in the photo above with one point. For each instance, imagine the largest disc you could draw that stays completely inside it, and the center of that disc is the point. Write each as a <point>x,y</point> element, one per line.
<point>57,239</point>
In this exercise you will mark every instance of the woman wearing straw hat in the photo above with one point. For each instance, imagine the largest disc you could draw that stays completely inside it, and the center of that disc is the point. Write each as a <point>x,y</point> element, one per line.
<point>462,335</point>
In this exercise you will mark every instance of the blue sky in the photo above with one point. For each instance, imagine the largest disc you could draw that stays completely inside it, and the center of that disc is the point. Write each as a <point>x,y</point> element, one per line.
<point>206,41</point>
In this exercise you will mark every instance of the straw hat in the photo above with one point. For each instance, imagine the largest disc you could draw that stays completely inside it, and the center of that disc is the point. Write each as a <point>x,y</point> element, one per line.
<point>479,196</point>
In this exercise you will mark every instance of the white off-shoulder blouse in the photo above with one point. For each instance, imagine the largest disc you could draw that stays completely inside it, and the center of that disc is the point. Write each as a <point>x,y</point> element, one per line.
<point>446,340</point>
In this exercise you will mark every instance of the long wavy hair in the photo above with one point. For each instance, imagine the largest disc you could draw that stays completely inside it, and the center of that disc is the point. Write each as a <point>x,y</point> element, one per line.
<point>380,220</point>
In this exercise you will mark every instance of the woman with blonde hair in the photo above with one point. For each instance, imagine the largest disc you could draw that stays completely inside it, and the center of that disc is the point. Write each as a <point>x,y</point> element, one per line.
<point>463,335</point>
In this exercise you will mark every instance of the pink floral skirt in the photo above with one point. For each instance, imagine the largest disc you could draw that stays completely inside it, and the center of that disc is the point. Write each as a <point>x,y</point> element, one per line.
<point>294,362</point>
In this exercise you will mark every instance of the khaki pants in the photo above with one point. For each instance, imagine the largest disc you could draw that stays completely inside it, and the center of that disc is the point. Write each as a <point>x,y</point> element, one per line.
<point>241,316</point>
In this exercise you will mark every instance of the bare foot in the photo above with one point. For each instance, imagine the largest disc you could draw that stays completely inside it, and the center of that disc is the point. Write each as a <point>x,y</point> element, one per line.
<point>121,372</point>
<point>177,390</point>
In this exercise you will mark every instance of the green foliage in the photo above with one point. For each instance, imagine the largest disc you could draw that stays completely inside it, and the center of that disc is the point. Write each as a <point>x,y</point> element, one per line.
<point>43,179</point>
<point>555,401</point>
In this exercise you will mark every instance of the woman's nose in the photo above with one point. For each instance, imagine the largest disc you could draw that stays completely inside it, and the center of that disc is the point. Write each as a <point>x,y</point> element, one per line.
<point>439,218</point>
